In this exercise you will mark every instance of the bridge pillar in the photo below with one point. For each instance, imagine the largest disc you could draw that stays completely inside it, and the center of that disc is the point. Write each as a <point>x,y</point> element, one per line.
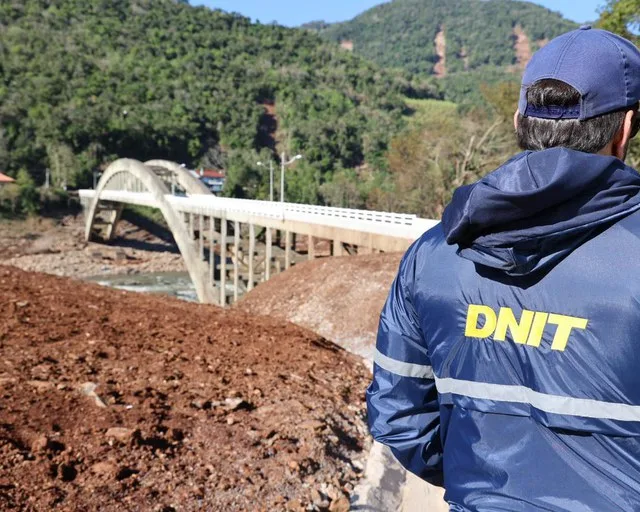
<point>252,250</point>
<point>110,216</point>
<point>268,255</point>
<point>287,250</point>
<point>212,258</point>
<point>113,222</point>
<point>201,235</point>
<point>311,247</point>
<point>338,248</point>
<point>236,252</point>
<point>223,261</point>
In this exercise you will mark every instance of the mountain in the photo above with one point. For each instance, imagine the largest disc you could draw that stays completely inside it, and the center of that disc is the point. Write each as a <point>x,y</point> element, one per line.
<point>84,82</point>
<point>447,37</point>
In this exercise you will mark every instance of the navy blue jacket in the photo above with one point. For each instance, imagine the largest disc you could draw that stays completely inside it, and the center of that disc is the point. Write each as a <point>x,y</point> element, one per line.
<point>508,352</point>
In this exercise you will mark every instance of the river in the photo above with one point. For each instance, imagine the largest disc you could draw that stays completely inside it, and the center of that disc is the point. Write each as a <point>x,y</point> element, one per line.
<point>174,284</point>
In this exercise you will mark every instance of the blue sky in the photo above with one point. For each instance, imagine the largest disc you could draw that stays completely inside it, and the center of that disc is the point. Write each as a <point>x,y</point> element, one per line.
<point>294,12</point>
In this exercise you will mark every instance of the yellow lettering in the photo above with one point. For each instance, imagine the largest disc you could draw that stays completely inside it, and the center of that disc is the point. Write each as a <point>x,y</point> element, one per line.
<point>519,330</point>
<point>473,314</point>
<point>537,330</point>
<point>529,330</point>
<point>565,325</point>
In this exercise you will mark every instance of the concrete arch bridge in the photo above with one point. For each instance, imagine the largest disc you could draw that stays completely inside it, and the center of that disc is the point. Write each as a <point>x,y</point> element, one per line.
<point>231,245</point>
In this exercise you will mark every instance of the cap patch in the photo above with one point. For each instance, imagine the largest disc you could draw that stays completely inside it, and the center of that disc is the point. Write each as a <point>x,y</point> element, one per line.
<point>552,112</point>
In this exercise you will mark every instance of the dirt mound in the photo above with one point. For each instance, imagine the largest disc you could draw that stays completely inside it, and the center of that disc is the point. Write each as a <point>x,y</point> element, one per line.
<point>119,401</point>
<point>339,298</point>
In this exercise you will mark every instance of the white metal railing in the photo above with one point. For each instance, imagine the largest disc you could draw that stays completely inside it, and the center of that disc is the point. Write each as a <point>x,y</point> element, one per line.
<point>390,224</point>
<point>347,213</point>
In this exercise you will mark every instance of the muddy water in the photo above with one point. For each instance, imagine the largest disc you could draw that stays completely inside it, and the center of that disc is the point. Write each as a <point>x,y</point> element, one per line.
<point>173,284</point>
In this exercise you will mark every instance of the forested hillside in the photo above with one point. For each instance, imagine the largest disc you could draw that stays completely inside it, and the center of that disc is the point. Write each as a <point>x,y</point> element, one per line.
<point>85,81</point>
<point>467,41</point>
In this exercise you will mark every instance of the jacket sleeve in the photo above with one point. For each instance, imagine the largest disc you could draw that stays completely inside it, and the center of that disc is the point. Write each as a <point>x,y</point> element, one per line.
<point>402,400</point>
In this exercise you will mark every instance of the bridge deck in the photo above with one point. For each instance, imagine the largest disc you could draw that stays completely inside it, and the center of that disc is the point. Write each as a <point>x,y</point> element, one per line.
<point>303,219</point>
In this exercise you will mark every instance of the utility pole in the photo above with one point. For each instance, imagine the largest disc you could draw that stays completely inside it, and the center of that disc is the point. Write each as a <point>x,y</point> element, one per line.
<point>284,165</point>
<point>283,160</point>
<point>271,180</point>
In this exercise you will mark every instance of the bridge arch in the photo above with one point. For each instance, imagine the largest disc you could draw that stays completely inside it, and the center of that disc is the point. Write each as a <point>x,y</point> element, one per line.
<point>135,176</point>
<point>187,181</point>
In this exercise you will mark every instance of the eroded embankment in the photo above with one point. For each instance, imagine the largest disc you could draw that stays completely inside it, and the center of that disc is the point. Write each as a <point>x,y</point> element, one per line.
<point>339,298</point>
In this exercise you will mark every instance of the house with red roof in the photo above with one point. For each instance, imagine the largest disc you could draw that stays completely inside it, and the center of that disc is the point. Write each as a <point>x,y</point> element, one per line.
<point>212,178</point>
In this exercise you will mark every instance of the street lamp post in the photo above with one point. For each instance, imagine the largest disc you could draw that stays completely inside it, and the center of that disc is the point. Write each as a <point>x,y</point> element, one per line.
<point>260,164</point>
<point>285,164</point>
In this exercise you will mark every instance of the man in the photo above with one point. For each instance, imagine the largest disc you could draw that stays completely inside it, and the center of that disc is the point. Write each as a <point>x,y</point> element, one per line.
<point>508,354</point>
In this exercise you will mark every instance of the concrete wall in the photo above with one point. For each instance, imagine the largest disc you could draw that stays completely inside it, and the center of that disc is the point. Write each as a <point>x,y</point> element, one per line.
<point>419,496</point>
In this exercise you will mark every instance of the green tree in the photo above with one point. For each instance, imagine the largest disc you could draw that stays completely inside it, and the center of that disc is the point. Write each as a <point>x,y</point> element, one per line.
<point>217,92</point>
<point>63,164</point>
<point>433,158</point>
<point>27,192</point>
<point>302,183</point>
<point>342,190</point>
<point>622,17</point>
<point>9,199</point>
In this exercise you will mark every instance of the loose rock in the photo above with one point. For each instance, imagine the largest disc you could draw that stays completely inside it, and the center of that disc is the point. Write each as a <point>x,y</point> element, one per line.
<point>124,435</point>
<point>173,426</point>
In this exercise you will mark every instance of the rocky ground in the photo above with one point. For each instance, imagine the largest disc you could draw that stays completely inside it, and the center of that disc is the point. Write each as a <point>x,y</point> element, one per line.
<point>119,401</point>
<point>339,298</point>
<point>57,247</point>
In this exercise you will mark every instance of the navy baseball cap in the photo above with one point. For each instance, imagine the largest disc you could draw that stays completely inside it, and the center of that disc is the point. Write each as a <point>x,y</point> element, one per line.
<point>603,67</point>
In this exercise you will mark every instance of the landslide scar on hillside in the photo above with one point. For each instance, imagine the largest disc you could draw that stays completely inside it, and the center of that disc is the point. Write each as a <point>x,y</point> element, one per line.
<point>268,128</point>
<point>522,47</point>
<point>347,45</point>
<point>440,69</point>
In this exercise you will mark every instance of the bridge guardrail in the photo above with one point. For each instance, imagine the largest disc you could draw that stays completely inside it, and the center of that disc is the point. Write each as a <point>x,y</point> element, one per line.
<point>276,209</point>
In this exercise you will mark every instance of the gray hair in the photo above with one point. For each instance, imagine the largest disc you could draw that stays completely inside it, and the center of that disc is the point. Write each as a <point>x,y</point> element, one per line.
<point>588,136</point>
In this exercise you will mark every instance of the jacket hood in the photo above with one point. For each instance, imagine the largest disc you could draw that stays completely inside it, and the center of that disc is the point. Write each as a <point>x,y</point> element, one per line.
<point>538,207</point>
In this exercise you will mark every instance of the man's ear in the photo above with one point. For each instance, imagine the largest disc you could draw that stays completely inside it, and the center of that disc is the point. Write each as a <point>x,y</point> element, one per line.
<point>623,137</point>
<point>515,119</point>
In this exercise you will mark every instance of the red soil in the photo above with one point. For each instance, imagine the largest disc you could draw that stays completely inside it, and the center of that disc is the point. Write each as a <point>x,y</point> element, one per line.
<point>194,408</point>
